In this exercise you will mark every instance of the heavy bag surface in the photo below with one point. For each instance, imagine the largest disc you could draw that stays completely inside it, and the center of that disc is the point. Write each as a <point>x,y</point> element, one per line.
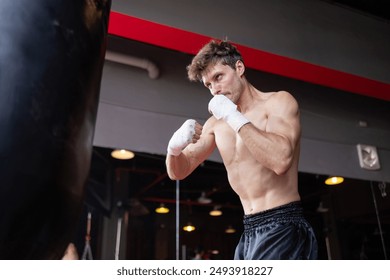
<point>51,60</point>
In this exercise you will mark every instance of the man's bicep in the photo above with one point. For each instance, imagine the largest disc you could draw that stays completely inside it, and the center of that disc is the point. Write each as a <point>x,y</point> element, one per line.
<point>285,124</point>
<point>285,119</point>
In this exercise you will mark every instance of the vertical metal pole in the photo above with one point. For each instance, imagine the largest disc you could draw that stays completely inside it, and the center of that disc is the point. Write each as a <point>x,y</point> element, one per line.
<point>118,238</point>
<point>183,252</point>
<point>177,219</point>
<point>379,221</point>
<point>328,250</point>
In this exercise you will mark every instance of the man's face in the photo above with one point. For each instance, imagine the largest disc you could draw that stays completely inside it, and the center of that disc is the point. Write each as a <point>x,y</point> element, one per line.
<point>222,79</point>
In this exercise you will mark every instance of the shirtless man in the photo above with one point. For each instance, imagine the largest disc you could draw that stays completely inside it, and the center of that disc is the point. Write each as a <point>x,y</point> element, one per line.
<point>258,136</point>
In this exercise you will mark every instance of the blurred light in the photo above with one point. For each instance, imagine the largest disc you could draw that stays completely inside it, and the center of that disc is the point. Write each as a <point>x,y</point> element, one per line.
<point>203,199</point>
<point>122,154</point>
<point>216,211</point>
<point>335,180</point>
<point>162,209</point>
<point>189,227</point>
<point>321,208</point>
<point>230,229</point>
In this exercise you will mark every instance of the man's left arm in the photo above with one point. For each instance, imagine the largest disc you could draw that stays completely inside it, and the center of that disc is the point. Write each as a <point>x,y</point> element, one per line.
<point>275,146</point>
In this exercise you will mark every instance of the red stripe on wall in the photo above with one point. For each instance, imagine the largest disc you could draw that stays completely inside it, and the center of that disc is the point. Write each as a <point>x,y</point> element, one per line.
<point>188,42</point>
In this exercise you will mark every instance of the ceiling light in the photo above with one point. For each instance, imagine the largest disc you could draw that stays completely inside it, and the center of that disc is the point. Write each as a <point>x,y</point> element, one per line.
<point>203,199</point>
<point>162,209</point>
<point>122,154</point>
<point>335,180</point>
<point>321,208</point>
<point>230,229</point>
<point>216,211</point>
<point>189,227</point>
<point>136,208</point>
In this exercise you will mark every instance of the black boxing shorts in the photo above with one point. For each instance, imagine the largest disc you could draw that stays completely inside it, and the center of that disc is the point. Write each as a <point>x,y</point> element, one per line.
<point>280,233</point>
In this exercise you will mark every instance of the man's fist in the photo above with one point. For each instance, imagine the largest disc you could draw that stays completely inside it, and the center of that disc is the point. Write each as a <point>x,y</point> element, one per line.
<point>223,108</point>
<point>188,133</point>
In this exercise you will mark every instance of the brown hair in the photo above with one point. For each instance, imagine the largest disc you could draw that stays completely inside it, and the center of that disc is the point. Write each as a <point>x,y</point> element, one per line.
<point>212,53</point>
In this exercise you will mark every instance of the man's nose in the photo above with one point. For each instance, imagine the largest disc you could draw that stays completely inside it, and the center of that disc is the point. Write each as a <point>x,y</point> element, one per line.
<point>215,90</point>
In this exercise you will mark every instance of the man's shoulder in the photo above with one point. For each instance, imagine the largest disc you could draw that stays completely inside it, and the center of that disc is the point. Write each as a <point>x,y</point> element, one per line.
<point>281,101</point>
<point>275,94</point>
<point>210,123</point>
<point>282,96</point>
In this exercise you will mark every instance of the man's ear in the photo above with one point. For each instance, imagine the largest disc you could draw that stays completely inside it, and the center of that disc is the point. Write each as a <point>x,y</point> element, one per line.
<point>240,67</point>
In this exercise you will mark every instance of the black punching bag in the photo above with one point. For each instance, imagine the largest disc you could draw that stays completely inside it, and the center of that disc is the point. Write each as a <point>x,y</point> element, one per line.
<point>51,60</point>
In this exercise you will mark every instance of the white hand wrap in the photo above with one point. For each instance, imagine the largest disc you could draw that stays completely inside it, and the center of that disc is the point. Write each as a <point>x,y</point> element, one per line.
<point>181,138</point>
<point>223,108</point>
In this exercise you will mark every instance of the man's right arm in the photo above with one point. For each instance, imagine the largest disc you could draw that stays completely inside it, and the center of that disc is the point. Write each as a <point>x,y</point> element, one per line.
<point>189,146</point>
<point>178,167</point>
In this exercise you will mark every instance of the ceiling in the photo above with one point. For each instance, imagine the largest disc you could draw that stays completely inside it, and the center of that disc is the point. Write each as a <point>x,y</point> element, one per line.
<point>376,8</point>
<point>188,41</point>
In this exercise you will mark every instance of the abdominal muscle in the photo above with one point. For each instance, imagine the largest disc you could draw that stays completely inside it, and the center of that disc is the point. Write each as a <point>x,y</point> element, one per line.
<point>258,187</point>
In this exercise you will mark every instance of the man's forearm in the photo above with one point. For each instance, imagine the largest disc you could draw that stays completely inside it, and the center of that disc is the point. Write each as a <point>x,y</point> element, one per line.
<point>177,166</point>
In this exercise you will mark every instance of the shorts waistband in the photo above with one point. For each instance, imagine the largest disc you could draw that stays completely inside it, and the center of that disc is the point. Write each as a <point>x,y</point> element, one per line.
<point>292,211</point>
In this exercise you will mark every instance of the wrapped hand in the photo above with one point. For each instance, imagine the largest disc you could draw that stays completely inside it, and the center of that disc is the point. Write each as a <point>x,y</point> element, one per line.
<point>223,108</point>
